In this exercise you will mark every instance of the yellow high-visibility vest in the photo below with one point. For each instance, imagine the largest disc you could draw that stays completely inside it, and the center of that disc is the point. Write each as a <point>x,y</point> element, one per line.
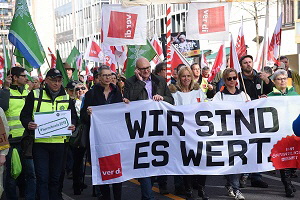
<point>60,103</point>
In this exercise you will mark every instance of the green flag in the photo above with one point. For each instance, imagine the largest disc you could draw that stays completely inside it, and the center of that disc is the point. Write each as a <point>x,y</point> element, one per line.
<point>24,37</point>
<point>7,62</point>
<point>60,67</point>
<point>134,53</point>
<point>20,59</point>
<point>71,60</point>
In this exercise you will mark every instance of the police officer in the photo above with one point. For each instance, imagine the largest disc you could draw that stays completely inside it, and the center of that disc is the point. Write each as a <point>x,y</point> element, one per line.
<point>48,152</point>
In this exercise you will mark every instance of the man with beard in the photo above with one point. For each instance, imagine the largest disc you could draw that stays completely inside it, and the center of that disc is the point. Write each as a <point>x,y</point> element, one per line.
<point>254,82</point>
<point>257,84</point>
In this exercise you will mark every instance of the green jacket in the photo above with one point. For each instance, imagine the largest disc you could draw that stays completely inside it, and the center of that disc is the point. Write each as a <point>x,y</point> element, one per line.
<point>289,92</point>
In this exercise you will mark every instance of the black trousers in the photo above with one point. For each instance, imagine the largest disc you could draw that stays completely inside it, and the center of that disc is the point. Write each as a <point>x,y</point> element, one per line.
<point>117,191</point>
<point>78,155</point>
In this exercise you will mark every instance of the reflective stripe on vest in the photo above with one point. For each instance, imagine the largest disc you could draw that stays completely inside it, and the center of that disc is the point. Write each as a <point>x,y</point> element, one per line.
<point>60,103</point>
<point>16,104</point>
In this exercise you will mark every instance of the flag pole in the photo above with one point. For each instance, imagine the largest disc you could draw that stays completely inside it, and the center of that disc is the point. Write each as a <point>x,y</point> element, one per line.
<point>48,62</point>
<point>11,57</point>
<point>265,42</point>
<point>168,37</point>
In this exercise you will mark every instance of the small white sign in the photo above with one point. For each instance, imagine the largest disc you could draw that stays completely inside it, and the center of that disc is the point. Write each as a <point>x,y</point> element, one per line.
<point>52,123</point>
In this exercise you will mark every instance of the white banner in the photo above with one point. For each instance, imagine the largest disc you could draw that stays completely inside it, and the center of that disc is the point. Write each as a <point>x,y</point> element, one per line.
<point>124,25</point>
<point>208,21</point>
<point>52,123</point>
<point>147,138</point>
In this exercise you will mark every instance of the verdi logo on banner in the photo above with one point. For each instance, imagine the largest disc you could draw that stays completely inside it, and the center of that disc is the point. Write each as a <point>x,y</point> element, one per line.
<point>95,50</point>
<point>122,25</point>
<point>211,20</point>
<point>110,166</point>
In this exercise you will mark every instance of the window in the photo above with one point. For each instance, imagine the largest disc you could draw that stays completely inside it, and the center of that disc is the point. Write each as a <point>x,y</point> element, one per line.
<point>288,13</point>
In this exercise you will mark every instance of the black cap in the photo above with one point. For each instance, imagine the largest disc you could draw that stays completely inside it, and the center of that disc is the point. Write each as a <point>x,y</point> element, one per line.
<point>54,73</point>
<point>71,85</point>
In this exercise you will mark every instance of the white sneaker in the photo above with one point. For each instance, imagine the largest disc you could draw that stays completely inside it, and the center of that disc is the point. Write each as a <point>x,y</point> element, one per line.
<point>230,191</point>
<point>239,195</point>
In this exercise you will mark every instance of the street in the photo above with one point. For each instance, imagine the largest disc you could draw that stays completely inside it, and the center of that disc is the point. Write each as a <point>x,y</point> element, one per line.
<point>215,189</point>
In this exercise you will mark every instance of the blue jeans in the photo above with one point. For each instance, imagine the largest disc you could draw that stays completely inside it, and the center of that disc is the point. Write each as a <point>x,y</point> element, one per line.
<point>233,180</point>
<point>48,158</point>
<point>28,176</point>
<point>146,188</point>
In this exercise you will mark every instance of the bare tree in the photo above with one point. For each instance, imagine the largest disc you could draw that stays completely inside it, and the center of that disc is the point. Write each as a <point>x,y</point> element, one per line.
<point>257,10</point>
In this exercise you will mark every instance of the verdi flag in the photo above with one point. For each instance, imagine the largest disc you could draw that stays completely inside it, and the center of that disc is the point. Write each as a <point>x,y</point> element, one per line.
<point>60,67</point>
<point>7,63</point>
<point>134,53</point>
<point>23,35</point>
<point>71,60</point>
<point>20,59</point>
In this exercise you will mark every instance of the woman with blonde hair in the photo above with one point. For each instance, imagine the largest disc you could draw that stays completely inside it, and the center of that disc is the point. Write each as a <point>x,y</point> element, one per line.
<point>185,92</point>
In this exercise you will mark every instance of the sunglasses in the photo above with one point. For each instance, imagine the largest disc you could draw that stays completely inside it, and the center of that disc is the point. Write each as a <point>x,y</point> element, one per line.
<point>231,78</point>
<point>80,88</point>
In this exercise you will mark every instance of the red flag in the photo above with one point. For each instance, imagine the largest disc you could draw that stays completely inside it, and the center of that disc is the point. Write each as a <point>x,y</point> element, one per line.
<point>157,46</point>
<point>2,67</point>
<point>234,61</point>
<point>220,63</point>
<point>93,52</point>
<point>273,51</point>
<point>53,59</point>
<point>241,48</point>
<point>177,58</point>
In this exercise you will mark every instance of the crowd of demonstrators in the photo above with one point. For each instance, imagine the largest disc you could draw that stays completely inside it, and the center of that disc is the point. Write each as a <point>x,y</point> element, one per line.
<point>44,172</point>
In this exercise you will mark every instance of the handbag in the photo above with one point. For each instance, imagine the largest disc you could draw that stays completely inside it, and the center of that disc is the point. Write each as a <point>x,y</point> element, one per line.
<point>28,136</point>
<point>80,136</point>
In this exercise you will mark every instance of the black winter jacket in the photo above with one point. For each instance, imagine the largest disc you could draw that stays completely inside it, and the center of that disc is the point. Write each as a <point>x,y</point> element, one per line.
<point>253,87</point>
<point>95,97</point>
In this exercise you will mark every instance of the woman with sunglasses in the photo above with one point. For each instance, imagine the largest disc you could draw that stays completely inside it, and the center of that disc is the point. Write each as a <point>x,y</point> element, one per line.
<point>185,92</point>
<point>103,93</point>
<point>280,79</point>
<point>78,151</point>
<point>229,92</point>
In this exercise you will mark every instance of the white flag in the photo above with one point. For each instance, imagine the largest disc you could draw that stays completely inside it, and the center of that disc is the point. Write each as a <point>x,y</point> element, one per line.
<point>124,25</point>
<point>208,21</point>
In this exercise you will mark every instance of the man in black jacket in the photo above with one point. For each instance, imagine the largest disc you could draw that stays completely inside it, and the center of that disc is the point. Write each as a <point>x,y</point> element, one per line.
<point>257,85</point>
<point>144,85</point>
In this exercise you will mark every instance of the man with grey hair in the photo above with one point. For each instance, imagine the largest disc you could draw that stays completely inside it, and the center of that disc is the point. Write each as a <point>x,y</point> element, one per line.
<point>145,85</point>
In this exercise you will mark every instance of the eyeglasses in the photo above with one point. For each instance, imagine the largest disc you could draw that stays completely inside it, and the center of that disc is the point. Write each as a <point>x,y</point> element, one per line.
<point>231,78</point>
<point>144,69</point>
<point>23,75</point>
<point>281,79</point>
<point>106,75</point>
<point>80,88</point>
